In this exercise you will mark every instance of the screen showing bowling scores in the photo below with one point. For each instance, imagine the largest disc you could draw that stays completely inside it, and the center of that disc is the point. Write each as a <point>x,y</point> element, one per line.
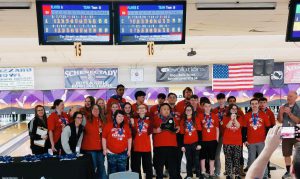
<point>296,25</point>
<point>160,22</point>
<point>66,23</point>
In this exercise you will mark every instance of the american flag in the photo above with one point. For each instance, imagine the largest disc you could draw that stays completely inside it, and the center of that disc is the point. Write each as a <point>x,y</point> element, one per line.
<point>232,77</point>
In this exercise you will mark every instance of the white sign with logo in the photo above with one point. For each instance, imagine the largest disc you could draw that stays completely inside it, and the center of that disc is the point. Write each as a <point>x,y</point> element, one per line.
<point>16,78</point>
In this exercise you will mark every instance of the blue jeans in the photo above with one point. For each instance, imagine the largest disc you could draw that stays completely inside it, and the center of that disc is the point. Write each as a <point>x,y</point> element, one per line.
<point>98,161</point>
<point>117,162</point>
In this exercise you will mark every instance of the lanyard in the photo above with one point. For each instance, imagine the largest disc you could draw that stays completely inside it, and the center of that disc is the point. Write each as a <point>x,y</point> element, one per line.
<point>220,113</point>
<point>254,118</point>
<point>208,121</point>
<point>141,124</point>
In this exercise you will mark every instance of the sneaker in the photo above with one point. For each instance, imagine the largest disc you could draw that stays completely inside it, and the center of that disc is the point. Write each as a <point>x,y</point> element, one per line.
<point>205,175</point>
<point>217,174</point>
<point>166,174</point>
<point>286,175</point>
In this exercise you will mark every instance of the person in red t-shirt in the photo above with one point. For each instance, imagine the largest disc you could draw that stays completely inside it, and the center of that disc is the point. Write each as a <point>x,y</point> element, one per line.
<point>210,137</point>
<point>92,143</point>
<point>117,98</point>
<point>141,143</point>
<point>257,123</point>
<point>87,109</point>
<point>165,142</point>
<point>171,100</point>
<point>232,141</point>
<point>187,94</point>
<point>220,111</point>
<point>232,100</point>
<point>113,108</point>
<point>116,143</point>
<point>56,122</point>
<point>154,110</point>
<point>140,99</point>
<point>190,128</point>
<point>128,119</point>
<point>263,106</point>
<point>103,108</point>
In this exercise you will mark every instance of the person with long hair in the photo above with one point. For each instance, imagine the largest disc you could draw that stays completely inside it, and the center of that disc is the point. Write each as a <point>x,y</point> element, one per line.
<point>190,128</point>
<point>128,113</point>
<point>89,101</point>
<point>57,120</point>
<point>72,134</point>
<point>38,122</point>
<point>116,143</point>
<point>232,142</point>
<point>113,108</point>
<point>92,141</point>
<point>103,108</point>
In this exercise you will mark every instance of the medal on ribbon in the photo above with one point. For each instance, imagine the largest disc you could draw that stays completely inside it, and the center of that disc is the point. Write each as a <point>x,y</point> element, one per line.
<point>140,126</point>
<point>254,121</point>
<point>189,126</point>
<point>208,122</point>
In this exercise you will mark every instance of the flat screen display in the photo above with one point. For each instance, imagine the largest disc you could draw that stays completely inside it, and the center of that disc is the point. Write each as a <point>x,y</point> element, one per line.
<point>159,22</point>
<point>293,29</point>
<point>63,23</point>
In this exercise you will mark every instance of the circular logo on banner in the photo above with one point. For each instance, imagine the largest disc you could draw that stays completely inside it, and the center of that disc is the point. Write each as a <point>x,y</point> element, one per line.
<point>277,75</point>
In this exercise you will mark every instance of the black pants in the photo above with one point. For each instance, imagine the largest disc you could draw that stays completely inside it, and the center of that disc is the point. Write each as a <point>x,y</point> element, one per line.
<point>146,158</point>
<point>179,159</point>
<point>163,155</point>
<point>36,150</point>
<point>192,159</point>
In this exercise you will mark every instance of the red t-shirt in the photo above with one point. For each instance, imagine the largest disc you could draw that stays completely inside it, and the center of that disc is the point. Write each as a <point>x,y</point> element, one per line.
<point>232,135</point>
<point>141,141</point>
<point>220,112</point>
<point>190,130</point>
<point>271,116</point>
<point>55,124</point>
<point>154,111</point>
<point>113,100</point>
<point>91,137</point>
<point>165,138</point>
<point>86,112</point>
<point>256,133</point>
<point>209,125</point>
<point>116,137</point>
<point>181,105</point>
<point>134,109</point>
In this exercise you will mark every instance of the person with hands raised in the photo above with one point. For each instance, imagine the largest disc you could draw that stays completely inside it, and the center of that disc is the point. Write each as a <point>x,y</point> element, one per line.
<point>232,142</point>
<point>258,167</point>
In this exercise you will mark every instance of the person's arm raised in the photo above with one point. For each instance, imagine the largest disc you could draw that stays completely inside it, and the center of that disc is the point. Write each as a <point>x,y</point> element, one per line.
<point>272,141</point>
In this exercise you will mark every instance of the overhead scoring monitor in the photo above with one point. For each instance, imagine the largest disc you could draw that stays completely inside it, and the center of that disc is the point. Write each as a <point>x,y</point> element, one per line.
<point>142,22</point>
<point>66,22</point>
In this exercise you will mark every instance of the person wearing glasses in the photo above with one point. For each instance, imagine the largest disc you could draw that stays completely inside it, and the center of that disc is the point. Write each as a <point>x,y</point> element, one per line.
<point>72,134</point>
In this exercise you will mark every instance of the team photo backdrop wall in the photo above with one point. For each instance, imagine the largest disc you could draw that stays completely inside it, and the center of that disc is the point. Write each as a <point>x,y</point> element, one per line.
<point>23,102</point>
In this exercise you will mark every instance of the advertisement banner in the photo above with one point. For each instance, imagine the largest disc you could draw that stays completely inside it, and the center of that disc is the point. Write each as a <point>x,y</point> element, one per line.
<point>16,78</point>
<point>90,78</point>
<point>292,72</point>
<point>182,73</point>
<point>277,77</point>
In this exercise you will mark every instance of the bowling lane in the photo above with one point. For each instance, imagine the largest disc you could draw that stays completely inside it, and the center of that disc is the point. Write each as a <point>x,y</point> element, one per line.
<point>22,150</point>
<point>12,131</point>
